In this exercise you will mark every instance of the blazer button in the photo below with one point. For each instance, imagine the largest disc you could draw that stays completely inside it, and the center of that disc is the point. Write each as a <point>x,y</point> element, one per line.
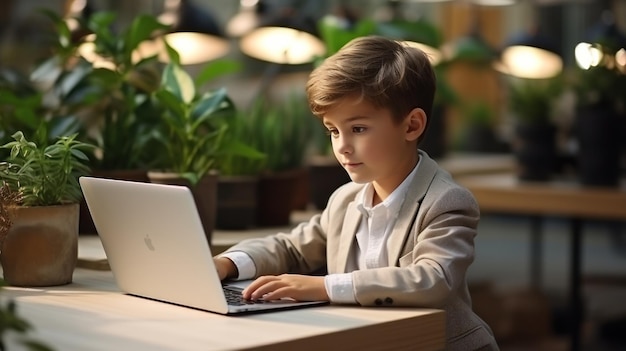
<point>388,301</point>
<point>378,302</point>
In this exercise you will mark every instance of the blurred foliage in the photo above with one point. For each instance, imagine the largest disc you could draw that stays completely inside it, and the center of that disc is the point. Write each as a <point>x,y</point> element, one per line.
<point>532,100</point>
<point>282,131</point>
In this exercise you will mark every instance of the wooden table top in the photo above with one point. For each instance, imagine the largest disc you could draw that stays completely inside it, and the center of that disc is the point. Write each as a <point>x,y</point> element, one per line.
<point>91,314</point>
<point>504,192</point>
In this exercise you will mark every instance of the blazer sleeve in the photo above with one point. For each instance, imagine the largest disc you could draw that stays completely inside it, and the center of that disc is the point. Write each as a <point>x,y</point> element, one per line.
<point>438,251</point>
<point>303,250</point>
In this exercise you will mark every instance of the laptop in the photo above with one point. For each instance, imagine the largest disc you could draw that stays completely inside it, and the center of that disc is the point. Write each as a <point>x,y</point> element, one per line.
<point>156,247</point>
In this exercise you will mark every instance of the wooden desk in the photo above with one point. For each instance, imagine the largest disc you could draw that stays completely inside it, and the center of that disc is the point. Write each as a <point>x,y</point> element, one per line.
<point>91,314</point>
<point>504,193</point>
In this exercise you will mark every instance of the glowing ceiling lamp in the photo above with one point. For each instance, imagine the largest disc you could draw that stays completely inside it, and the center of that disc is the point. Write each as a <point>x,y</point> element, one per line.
<point>530,56</point>
<point>195,35</point>
<point>288,38</point>
<point>605,46</point>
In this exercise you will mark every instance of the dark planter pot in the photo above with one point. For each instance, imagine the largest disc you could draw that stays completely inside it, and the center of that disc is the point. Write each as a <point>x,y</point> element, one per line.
<point>85,223</point>
<point>276,197</point>
<point>301,194</point>
<point>204,194</point>
<point>326,175</point>
<point>534,147</point>
<point>478,138</point>
<point>598,130</point>
<point>236,202</point>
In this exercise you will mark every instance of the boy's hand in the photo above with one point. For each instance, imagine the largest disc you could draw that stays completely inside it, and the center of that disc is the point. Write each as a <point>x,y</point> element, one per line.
<point>225,268</point>
<point>297,287</point>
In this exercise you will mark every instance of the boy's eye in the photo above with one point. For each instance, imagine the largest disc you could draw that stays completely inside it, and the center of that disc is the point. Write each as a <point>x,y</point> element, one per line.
<point>332,132</point>
<point>358,129</point>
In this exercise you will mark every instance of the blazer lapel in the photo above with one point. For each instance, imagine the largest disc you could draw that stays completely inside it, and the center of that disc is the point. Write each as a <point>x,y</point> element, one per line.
<point>348,233</point>
<point>408,211</point>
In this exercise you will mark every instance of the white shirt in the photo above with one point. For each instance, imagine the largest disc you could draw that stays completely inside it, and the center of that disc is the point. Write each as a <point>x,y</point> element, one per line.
<point>376,224</point>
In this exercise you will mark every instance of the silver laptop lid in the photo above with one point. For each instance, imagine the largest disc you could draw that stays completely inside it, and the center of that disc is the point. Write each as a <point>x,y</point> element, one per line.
<point>154,242</point>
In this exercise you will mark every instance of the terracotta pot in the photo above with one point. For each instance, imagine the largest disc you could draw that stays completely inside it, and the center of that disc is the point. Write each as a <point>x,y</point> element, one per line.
<point>236,202</point>
<point>204,194</point>
<point>41,247</point>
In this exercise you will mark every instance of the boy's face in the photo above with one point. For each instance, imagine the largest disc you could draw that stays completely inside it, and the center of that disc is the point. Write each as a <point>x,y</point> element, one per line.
<point>370,144</point>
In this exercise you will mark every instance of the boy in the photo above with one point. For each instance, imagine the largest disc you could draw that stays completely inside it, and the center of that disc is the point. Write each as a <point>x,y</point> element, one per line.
<point>402,232</point>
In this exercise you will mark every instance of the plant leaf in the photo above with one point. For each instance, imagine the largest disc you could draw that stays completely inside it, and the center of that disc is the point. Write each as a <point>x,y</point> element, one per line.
<point>179,83</point>
<point>217,68</point>
<point>140,30</point>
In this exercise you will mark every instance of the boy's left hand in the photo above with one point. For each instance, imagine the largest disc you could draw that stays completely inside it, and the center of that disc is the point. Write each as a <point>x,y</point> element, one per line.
<point>297,287</point>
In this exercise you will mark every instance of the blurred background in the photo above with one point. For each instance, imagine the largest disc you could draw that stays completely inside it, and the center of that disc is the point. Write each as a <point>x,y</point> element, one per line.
<point>541,83</point>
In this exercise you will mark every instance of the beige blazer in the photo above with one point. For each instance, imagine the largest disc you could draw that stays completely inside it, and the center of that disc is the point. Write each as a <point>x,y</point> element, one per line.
<point>429,251</point>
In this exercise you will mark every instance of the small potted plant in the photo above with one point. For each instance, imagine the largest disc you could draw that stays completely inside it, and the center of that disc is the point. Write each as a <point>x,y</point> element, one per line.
<point>477,131</point>
<point>531,103</point>
<point>40,210</point>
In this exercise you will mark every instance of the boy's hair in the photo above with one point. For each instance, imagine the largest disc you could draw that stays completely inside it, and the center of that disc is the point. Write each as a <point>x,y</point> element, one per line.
<point>384,72</point>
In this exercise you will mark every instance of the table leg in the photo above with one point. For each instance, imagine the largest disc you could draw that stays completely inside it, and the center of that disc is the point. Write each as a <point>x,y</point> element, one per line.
<point>536,252</point>
<point>576,304</point>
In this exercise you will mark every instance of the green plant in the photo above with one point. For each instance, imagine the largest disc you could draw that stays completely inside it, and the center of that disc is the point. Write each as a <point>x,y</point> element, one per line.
<point>45,175</point>
<point>479,113</point>
<point>107,104</point>
<point>236,164</point>
<point>602,81</point>
<point>11,321</point>
<point>44,103</point>
<point>120,84</point>
<point>531,101</point>
<point>283,132</point>
<point>194,132</point>
<point>601,85</point>
<point>335,36</point>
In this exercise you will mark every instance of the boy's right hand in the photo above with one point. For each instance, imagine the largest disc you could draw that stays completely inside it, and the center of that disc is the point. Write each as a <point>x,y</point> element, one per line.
<point>225,268</point>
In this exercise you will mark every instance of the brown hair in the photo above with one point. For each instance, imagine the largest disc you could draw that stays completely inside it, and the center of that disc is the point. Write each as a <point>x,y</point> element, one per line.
<point>384,72</point>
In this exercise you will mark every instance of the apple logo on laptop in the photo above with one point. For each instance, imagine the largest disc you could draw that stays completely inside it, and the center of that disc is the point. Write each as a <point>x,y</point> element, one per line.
<point>148,242</point>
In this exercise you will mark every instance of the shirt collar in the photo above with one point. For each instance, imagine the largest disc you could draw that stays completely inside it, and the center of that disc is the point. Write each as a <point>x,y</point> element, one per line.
<point>393,202</point>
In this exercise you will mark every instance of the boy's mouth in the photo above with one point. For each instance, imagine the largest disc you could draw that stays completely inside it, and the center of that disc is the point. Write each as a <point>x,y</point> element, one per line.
<point>351,164</point>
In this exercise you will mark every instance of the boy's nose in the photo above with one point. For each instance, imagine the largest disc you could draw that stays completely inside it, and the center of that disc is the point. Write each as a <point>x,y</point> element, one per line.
<point>343,145</point>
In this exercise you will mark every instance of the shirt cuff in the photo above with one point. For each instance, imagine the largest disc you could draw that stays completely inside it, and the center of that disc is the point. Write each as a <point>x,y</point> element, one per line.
<point>340,288</point>
<point>243,262</point>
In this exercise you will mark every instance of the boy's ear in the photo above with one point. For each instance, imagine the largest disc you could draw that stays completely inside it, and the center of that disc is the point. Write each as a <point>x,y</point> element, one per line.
<point>415,124</point>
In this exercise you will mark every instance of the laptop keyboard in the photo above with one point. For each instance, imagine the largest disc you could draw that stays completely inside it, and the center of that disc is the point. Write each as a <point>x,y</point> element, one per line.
<point>234,297</point>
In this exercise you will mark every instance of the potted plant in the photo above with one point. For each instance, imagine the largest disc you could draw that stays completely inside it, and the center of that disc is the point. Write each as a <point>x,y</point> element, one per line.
<point>40,201</point>
<point>600,119</point>
<point>192,136</point>
<point>477,131</point>
<point>237,194</point>
<point>283,135</point>
<point>534,143</point>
